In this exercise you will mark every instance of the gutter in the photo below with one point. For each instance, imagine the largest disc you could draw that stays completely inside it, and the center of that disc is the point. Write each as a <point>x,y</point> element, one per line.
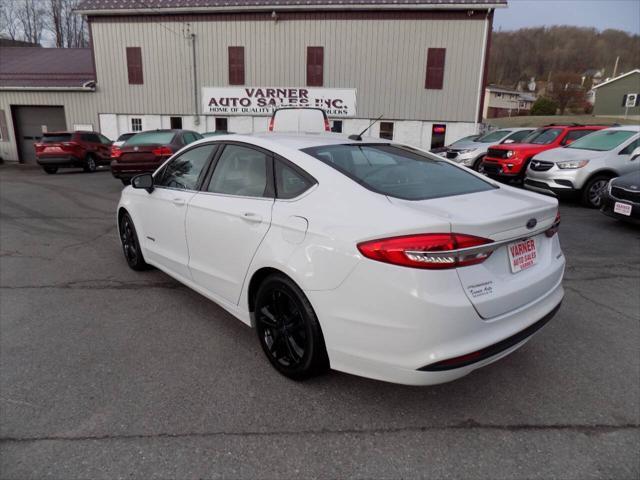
<point>50,89</point>
<point>483,67</point>
<point>291,8</point>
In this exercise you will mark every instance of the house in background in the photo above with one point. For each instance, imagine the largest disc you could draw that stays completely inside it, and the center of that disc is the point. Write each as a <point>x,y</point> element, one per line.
<point>506,102</point>
<point>619,96</point>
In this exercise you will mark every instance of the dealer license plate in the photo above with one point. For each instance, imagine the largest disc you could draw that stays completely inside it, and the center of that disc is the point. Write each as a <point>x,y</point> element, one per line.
<point>622,208</point>
<point>522,254</point>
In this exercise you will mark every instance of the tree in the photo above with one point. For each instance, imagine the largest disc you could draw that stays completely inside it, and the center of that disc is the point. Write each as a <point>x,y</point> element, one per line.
<point>567,91</point>
<point>68,29</point>
<point>31,18</point>
<point>9,25</point>
<point>544,106</point>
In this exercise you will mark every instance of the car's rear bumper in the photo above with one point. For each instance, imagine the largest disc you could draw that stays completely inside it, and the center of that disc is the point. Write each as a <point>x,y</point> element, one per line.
<point>392,330</point>
<point>60,161</point>
<point>128,170</point>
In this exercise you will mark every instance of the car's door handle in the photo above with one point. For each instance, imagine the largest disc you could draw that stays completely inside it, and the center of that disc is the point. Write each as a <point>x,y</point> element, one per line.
<point>252,217</point>
<point>178,202</point>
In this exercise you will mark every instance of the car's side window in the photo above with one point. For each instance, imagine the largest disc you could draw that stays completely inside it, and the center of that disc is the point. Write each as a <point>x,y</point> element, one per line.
<point>104,139</point>
<point>189,138</point>
<point>631,147</point>
<point>241,171</point>
<point>289,182</point>
<point>184,171</point>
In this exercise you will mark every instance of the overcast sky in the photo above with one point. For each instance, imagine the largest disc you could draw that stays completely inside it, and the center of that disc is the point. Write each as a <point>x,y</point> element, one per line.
<point>601,14</point>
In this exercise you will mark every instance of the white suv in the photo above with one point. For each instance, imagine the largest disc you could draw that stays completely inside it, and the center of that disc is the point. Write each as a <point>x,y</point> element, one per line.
<point>585,166</point>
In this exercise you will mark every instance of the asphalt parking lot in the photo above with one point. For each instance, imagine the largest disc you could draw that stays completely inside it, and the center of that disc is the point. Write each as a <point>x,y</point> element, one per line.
<point>109,373</point>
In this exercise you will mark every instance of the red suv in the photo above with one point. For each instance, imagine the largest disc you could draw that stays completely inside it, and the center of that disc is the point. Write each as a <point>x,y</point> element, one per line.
<point>146,151</point>
<point>80,149</point>
<point>509,161</point>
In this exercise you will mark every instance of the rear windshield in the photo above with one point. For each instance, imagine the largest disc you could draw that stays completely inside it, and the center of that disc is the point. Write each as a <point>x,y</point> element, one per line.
<point>398,171</point>
<point>125,136</point>
<point>603,140</point>
<point>56,138</point>
<point>544,136</point>
<point>148,138</point>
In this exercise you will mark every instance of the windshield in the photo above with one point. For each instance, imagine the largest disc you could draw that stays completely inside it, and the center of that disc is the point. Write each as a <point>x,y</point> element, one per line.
<point>603,140</point>
<point>470,138</point>
<point>56,138</point>
<point>493,137</point>
<point>150,138</point>
<point>399,172</point>
<point>544,136</point>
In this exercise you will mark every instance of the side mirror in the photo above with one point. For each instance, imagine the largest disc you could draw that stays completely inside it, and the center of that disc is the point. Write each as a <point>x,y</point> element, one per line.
<point>144,180</point>
<point>636,153</point>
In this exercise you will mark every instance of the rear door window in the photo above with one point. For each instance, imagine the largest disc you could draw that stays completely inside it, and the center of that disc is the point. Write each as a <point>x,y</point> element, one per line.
<point>242,171</point>
<point>399,172</point>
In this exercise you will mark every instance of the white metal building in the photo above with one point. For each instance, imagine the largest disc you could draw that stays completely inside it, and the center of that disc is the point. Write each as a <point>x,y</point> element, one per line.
<point>214,65</point>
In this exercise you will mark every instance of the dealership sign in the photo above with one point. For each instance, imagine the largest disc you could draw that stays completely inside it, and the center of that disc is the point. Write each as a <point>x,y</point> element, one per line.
<point>337,102</point>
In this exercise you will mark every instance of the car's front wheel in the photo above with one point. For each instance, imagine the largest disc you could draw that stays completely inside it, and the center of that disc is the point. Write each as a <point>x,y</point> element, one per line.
<point>288,329</point>
<point>477,165</point>
<point>130,244</point>
<point>50,170</point>
<point>592,191</point>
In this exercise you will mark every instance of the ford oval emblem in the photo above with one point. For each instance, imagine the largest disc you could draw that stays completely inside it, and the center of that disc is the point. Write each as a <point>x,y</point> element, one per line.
<point>532,222</point>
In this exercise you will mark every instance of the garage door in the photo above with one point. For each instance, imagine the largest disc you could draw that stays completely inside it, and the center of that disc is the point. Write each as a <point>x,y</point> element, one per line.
<point>30,122</point>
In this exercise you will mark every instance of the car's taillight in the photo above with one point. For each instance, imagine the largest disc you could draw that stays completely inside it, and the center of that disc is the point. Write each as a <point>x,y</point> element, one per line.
<point>327,127</point>
<point>38,146</point>
<point>116,152</point>
<point>434,251</point>
<point>271,124</point>
<point>555,226</point>
<point>162,152</point>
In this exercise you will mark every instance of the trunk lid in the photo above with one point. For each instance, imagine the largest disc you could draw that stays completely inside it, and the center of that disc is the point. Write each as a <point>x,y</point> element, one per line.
<point>140,153</point>
<point>500,215</point>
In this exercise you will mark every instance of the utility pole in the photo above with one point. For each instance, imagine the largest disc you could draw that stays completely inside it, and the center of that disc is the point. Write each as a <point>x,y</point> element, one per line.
<point>615,67</point>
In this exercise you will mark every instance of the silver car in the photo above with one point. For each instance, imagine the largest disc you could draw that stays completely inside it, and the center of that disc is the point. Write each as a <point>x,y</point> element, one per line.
<point>585,167</point>
<point>470,153</point>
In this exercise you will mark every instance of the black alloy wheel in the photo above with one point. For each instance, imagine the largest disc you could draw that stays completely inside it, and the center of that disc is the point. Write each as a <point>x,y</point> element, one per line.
<point>288,329</point>
<point>90,164</point>
<point>130,244</point>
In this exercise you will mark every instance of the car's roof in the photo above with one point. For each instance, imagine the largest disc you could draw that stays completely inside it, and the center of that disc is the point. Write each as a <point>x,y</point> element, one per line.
<point>513,129</point>
<point>299,141</point>
<point>626,128</point>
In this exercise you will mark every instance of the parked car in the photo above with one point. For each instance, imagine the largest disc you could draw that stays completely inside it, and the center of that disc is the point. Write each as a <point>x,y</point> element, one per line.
<point>371,258</point>
<point>509,162</point>
<point>299,119</point>
<point>123,138</point>
<point>621,197</point>
<point>469,138</point>
<point>78,149</point>
<point>145,151</point>
<point>585,167</point>
<point>470,154</point>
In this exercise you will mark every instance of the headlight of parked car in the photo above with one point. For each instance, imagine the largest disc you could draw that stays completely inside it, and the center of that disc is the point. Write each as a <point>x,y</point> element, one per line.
<point>572,164</point>
<point>510,153</point>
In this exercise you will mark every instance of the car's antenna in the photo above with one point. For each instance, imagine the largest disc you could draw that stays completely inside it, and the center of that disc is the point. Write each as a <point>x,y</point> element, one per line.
<point>358,137</point>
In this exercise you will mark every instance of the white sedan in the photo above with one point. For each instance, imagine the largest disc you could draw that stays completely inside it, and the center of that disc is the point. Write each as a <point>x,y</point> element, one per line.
<point>368,257</point>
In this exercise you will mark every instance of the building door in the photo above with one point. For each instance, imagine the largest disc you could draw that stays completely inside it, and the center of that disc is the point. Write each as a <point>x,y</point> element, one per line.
<point>29,124</point>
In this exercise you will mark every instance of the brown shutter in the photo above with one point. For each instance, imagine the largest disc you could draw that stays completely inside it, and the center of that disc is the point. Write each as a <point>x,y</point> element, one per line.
<point>315,62</point>
<point>435,68</point>
<point>236,65</point>
<point>4,131</point>
<point>134,65</point>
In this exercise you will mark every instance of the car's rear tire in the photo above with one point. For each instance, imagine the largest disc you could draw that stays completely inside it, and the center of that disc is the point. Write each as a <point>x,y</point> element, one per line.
<point>50,170</point>
<point>592,191</point>
<point>130,244</point>
<point>288,329</point>
<point>90,164</point>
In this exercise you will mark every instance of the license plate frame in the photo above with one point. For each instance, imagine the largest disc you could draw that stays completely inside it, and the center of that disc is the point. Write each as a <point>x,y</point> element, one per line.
<point>622,208</point>
<point>523,254</point>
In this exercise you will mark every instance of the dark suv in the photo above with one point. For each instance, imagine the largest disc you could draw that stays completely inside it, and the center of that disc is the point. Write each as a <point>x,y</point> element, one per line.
<point>78,149</point>
<point>146,151</point>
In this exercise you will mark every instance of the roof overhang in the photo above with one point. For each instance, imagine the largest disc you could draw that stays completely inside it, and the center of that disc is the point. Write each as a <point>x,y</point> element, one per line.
<point>47,89</point>
<point>290,8</point>
<point>637,70</point>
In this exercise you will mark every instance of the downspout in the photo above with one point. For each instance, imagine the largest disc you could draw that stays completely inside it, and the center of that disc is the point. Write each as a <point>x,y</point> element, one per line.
<point>196,120</point>
<point>483,69</point>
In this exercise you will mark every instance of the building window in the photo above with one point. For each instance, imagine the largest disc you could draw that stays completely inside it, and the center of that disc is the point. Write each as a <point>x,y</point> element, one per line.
<point>175,123</point>
<point>236,65</point>
<point>315,62</point>
<point>136,124</point>
<point>435,68</point>
<point>134,65</point>
<point>221,125</point>
<point>386,130</point>
<point>336,126</point>
<point>4,131</point>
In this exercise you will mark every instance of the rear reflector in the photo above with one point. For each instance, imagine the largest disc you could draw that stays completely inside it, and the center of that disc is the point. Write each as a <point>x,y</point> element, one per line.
<point>555,226</point>
<point>434,251</point>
